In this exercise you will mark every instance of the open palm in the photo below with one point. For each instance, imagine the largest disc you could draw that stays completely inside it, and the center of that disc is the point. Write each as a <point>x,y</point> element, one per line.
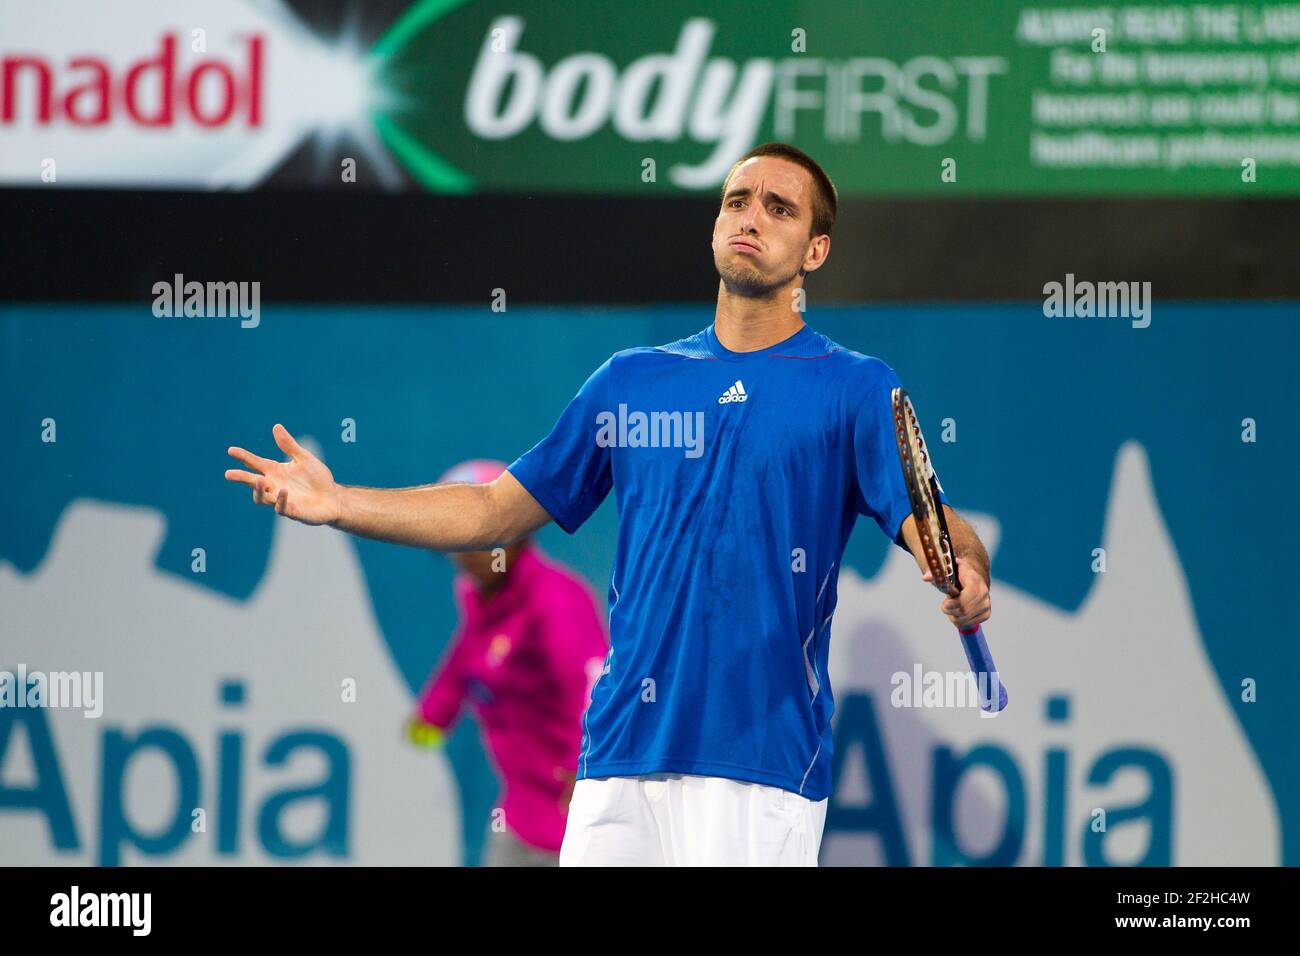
<point>301,488</point>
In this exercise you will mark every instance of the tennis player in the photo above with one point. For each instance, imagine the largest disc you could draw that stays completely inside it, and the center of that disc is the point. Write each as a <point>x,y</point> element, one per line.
<point>527,649</point>
<point>740,458</point>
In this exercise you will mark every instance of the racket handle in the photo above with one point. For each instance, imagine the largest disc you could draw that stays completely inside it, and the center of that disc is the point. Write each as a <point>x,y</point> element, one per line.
<point>981,664</point>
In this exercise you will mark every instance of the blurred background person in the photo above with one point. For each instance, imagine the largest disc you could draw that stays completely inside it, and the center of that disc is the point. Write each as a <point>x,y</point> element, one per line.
<point>528,648</point>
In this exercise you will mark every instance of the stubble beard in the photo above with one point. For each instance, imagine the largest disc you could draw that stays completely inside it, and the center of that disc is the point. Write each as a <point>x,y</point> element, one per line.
<point>748,282</point>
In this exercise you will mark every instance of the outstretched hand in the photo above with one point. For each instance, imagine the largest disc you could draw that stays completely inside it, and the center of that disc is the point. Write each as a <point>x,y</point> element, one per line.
<point>301,488</point>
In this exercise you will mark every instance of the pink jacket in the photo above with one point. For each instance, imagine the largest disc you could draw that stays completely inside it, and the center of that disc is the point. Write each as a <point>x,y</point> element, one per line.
<point>526,658</point>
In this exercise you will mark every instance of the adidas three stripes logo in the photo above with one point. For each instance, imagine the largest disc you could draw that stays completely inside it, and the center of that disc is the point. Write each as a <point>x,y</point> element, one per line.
<point>736,393</point>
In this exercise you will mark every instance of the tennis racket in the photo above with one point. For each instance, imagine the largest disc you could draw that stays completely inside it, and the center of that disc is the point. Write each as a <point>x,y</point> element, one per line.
<point>923,493</point>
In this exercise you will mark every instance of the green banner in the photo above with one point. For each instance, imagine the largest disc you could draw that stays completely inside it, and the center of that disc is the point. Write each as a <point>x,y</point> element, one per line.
<point>894,98</point>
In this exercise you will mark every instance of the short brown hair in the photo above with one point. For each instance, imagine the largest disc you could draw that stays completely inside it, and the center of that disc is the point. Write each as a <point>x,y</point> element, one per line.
<point>825,199</point>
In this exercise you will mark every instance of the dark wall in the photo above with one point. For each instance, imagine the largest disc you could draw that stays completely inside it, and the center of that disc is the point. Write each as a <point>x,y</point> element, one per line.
<point>67,245</point>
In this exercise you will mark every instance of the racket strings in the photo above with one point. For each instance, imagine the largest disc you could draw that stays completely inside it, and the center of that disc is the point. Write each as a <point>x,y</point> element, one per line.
<point>916,465</point>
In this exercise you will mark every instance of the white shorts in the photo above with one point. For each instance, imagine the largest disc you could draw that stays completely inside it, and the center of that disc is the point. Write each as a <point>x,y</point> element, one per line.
<point>672,819</point>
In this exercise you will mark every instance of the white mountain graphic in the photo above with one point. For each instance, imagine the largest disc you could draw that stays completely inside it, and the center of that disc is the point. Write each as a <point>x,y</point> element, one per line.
<point>1133,665</point>
<point>97,603</point>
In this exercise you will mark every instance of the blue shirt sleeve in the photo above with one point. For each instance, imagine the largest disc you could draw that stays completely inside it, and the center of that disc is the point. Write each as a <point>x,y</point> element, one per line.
<point>881,493</point>
<point>569,472</point>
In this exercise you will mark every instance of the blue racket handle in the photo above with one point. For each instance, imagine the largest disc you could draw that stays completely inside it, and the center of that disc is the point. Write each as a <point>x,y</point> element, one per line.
<point>981,664</point>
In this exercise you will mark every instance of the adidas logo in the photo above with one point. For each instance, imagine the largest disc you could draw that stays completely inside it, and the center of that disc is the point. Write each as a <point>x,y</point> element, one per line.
<point>736,393</point>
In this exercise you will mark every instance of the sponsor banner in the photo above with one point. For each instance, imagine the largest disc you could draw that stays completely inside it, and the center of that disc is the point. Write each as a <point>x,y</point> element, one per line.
<point>465,96</point>
<point>225,686</point>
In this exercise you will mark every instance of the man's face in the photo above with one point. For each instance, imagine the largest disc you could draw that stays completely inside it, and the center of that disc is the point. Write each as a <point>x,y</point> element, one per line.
<point>762,235</point>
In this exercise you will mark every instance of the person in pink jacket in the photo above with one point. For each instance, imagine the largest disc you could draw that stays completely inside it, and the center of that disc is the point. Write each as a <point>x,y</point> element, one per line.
<point>530,645</point>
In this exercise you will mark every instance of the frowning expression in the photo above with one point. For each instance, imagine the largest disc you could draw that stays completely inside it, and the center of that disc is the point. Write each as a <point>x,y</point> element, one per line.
<point>763,234</point>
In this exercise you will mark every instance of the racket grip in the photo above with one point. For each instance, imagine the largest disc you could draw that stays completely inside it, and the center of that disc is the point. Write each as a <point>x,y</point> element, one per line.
<point>985,671</point>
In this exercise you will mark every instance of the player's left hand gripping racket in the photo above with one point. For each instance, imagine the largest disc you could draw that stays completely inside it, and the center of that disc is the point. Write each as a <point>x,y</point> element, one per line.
<point>923,492</point>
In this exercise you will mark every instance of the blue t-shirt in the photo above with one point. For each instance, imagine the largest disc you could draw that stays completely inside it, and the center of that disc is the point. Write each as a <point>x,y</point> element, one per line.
<point>738,477</point>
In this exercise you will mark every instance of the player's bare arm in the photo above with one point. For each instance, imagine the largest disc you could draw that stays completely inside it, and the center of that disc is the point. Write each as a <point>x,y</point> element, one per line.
<point>973,605</point>
<point>444,517</point>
